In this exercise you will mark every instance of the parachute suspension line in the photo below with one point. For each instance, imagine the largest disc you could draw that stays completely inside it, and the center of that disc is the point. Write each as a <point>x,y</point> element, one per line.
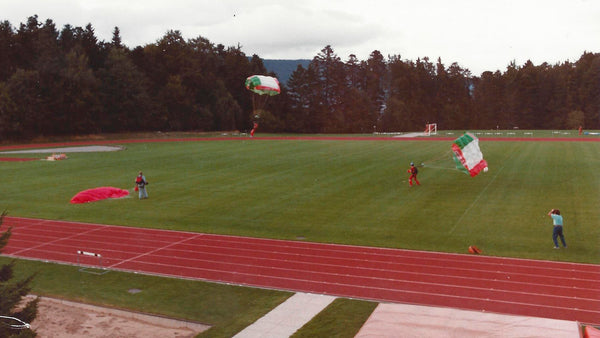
<point>440,161</point>
<point>264,103</point>
<point>439,158</point>
<point>258,104</point>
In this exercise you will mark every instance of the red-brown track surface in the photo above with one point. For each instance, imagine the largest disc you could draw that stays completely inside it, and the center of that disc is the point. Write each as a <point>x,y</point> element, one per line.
<point>17,159</point>
<point>557,290</point>
<point>304,138</point>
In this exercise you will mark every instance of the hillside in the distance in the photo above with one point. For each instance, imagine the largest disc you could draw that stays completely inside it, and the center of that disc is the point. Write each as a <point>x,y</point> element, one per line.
<point>284,68</point>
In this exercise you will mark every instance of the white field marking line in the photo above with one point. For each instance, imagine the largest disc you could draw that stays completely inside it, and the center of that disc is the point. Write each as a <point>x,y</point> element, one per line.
<point>308,289</point>
<point>368,269</point>
<point>389,251</point>
<point>148,230</point>
<point>259,286</point>
<point>40,222</point>
<point>458,268</point>
<point>506,269</point>
<point>323,246</point>
<point>475,201</point>
<point>324,273</point>
<point>155,250</point>
<point>313,245</point>
<point>307,252</point>
<point>56,240</point>
<point>300,279</point>
<point>436,167</point>
<point>375,279</point>
<point>106,252</point>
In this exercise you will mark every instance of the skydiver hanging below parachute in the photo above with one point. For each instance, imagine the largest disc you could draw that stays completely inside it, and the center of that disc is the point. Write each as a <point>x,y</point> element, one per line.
<point>262,87</point>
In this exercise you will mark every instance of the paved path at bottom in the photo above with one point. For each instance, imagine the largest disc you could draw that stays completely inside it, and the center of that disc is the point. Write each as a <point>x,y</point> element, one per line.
<point>389,320</point>
<point>288,317</point>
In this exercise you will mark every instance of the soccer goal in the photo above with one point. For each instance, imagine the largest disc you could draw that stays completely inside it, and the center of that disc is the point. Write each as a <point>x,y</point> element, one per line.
<point>430,129</point>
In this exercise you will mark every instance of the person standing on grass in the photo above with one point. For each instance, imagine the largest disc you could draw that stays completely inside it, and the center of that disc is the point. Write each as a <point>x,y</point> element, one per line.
<point>141,184</point>
<point>557,221</point>
<point>413,171</point>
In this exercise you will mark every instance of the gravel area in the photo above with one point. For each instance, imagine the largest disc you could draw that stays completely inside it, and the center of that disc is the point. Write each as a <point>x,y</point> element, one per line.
<point>58,318</point>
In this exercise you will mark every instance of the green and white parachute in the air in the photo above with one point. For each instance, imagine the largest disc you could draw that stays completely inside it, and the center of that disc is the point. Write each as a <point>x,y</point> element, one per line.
<point>467,155</point>
<point>263,85</point>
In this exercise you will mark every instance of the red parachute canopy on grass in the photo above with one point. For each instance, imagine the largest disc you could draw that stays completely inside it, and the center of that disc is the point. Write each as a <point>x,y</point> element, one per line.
<point>97,194</point>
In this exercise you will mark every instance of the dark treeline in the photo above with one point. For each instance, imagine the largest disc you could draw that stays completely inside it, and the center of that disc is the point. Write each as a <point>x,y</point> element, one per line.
<point>66,82</point>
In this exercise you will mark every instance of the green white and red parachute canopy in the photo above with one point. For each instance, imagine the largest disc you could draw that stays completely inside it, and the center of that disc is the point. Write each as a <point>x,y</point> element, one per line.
<point>467,155</point>
<point>263,85</point>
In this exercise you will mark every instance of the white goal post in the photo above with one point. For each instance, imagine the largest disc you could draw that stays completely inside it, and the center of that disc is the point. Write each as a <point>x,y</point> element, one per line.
<point>430,129</point>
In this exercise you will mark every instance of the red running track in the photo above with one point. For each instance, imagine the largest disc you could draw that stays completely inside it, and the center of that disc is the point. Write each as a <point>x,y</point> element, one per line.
<point>557,290</point>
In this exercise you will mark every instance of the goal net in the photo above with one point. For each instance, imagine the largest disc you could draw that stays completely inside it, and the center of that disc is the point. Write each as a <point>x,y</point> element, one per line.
<point>430,129</point>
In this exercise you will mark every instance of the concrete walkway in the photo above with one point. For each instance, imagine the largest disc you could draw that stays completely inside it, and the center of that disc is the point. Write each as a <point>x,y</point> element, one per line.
<point>405,320</point>
<point>288,317</point>
<point>395,320</point>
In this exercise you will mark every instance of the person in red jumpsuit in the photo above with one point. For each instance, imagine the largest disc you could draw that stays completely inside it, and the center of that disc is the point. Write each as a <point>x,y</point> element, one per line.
<point>253,129</point>
<point>413,171</point>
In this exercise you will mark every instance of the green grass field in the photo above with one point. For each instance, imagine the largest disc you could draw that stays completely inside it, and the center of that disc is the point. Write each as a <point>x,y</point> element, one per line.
<point>352,192</point>
<point>333,191</point>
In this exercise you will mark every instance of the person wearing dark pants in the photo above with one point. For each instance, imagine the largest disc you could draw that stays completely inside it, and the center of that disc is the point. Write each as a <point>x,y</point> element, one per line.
<point>557,221</point>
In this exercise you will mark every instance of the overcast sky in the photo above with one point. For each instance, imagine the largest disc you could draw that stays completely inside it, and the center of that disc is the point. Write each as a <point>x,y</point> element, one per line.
<point>477,34</point>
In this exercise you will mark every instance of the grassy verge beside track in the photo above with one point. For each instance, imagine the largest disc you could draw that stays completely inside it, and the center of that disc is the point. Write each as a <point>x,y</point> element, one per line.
<point>342,318</point>
<point>227,308</point>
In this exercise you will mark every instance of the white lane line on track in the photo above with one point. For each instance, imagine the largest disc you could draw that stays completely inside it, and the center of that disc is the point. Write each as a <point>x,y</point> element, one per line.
<point>388,252</point>
<point>495,268</point>
<point>506,267</point>
<point>153,251</point>
<point>458,298</point>
<point>196,235</point>
<point>56,240</point>
<point>283,272</point>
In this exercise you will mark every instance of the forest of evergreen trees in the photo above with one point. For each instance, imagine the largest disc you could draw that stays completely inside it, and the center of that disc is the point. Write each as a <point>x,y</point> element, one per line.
<point>66,82</point>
